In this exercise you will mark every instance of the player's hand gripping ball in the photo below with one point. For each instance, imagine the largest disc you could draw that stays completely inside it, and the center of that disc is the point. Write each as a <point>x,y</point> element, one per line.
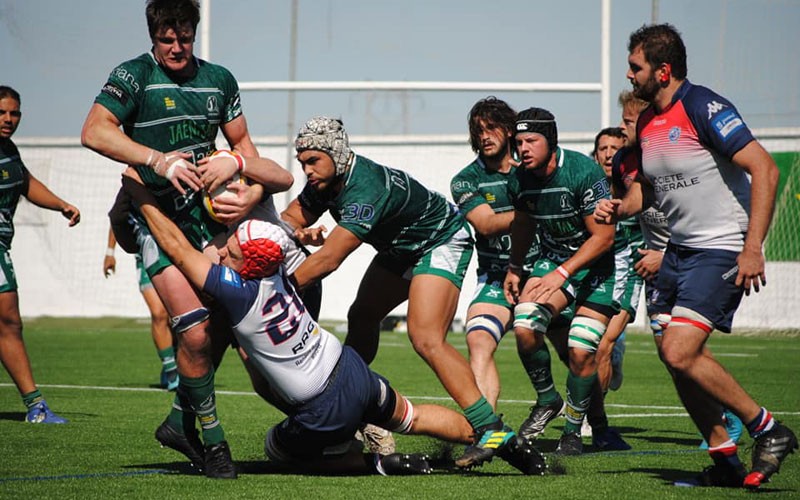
<point>222,193</point>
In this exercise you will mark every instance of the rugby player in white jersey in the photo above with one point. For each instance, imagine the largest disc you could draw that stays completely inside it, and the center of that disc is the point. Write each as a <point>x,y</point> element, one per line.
<point>325,389</point>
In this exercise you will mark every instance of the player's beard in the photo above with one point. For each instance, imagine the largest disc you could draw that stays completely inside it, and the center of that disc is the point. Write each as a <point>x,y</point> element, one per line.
<point>649,90</point>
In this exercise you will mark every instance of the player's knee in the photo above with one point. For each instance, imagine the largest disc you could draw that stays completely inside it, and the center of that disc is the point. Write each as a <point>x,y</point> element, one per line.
<point>532,316</point>
<point>485,324</point>
<point>585,333</point>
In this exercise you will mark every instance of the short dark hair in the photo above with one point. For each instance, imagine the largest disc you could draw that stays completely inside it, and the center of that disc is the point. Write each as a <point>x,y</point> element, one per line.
<point>491,110</point>
<point>661,43</point>
<point>173,14</point>
<point>609,131</point>
<point>6,91</point>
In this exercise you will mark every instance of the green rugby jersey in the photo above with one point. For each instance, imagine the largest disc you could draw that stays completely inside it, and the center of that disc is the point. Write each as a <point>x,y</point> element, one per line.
<point>473,186</point>
<point>167,114</point>
<point>388,209</point>
<point>559,202</point>
<point>13,184</point>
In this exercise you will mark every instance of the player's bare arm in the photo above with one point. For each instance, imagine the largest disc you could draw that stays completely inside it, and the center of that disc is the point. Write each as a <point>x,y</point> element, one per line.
<point>328,258</point>
<point>763,187</point>
<point>297,216</point>
<point>600,241</point>
<point>102,133</point>
<point>523,230</point>
<point>192,263</point>
<point>41,196</point>
<point>488,223</point>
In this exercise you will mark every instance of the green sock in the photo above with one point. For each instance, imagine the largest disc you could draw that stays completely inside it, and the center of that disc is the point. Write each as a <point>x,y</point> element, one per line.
<point>537,366</point>
<point>32,398</point>
<point>167,357</point>
<point>181,417</point>
<point>579,393</point>
<point>480,413</point>
<point>200,392</point>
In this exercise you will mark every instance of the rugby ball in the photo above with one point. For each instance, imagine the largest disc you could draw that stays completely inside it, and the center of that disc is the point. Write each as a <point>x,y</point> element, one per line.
<point>222,192</point>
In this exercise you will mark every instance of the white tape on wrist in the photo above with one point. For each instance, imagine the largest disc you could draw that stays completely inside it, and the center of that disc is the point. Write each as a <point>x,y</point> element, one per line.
<point>110,252</point>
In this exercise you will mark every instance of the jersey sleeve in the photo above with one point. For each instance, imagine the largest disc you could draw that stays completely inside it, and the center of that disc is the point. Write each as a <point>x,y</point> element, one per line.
<point>124,89</point>
<point>464,190</point>
<point>233,98</point>
<point>625,166</point>
<point>234,293</point>
<point>717,121</point>
<point>312,201</point>
<point>593,187</point>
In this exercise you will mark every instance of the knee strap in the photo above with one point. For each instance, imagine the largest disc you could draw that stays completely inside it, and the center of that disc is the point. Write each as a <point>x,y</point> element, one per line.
<point>532,316</point>
<point>659,322</point>
<point>187,320</point>
<point>486,323</point>
<point>585,333</point>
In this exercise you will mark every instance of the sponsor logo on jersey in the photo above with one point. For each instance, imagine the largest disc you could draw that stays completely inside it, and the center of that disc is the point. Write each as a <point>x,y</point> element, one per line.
<point>727,123</point>
<point>230,277</point>
<point>123,74</point>
<point>714,107</point>
<point>5,174</point>
<point>664,183</point>
<point>212,106</point>
<point>674,134</point>
<point>112,90</point>
<point>465,198</point>
<point>169,103</point>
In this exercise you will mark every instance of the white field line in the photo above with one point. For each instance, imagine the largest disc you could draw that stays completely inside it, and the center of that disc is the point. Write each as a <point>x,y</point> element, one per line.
<point>412,398</point>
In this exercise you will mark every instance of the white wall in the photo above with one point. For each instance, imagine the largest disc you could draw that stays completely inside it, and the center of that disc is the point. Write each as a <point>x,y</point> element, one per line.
<point>59,269</point>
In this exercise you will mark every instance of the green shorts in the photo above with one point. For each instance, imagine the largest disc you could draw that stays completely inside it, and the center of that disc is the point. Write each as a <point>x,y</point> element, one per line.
<point>144,278</point>
<point>193,221</point>
<point>594,285</point>
<point>490,290</point>
<point>8,278</point>
<point>448,260</point>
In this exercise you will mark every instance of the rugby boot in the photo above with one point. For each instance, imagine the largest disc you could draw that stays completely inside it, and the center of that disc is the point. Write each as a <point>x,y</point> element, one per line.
<point>188,444</point>
<point>569,444</point>
<point>523,456</point>
<point>540,416</point>
<point>218,462</point>
<point>403,464</point>
<point>489,441</point>
<point>717,475</point>
<point>769,451</point>
<point>40,413</point>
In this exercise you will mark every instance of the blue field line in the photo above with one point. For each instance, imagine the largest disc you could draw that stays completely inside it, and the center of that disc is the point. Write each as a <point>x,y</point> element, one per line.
<point>87,476</point>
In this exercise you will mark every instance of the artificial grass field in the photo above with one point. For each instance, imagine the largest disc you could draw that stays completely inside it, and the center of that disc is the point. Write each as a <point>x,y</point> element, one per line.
<point>102,375</point>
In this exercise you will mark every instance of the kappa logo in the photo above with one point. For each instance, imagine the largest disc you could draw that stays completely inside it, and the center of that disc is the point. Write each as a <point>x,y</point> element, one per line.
<point>714,107</point>
<point>565,202</point>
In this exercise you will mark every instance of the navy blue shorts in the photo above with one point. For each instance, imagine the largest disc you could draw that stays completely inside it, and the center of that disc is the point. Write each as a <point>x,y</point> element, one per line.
<point>698,286</point>
<point>327,423</point>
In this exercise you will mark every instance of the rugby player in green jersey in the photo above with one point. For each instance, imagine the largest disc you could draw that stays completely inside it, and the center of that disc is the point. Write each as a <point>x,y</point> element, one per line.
<point>555,191</point>
<point>424,246</point>
<point>161,113</point>
<point>17,181</point>
<point>480,191</point>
